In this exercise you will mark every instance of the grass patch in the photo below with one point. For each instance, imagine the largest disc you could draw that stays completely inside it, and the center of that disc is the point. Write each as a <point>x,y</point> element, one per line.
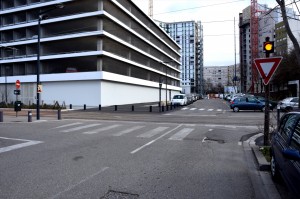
<point>266,151</point>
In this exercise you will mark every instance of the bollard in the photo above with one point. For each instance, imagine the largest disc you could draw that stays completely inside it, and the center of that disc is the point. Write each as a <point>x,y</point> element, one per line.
<point>1,116</point>
<point>116,107</point>
<point>167,107</point>
<point>29,116</point>
<point>150,108</point>
<point>278,115</point>
<point>162,108</point>
<point>84,107</point>
<point>59,114</point>
<point>100,107</point>
<point>171,106</point>
<point>70,106</point>
<point>132,108</point>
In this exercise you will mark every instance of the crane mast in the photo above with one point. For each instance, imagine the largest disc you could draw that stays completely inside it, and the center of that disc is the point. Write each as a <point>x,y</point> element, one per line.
<point>150,8</point>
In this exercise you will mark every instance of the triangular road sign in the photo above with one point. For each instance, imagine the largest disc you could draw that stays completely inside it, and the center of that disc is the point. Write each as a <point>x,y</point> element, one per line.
<point>267,67</point>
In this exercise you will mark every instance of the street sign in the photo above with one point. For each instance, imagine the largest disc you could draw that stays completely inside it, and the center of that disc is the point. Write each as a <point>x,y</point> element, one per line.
<point>17,92</point>
<point>39,88</point>
<point>267,67</point>
<point>18,84</point>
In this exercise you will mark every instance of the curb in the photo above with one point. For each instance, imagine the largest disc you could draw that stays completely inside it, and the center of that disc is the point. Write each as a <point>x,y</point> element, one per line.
<point>261,161</point>
<point>263,164</point>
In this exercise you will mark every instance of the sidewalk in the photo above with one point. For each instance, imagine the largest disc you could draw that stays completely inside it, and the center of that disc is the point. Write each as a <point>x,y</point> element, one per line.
<point>263,167</point>
<point>9,115</point>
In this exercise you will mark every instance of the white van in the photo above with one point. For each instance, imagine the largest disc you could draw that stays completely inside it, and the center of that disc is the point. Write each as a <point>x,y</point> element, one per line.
<point>180,99</point>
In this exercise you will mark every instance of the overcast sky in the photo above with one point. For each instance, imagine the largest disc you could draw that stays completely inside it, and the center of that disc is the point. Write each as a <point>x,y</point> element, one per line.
<point>217,17</point>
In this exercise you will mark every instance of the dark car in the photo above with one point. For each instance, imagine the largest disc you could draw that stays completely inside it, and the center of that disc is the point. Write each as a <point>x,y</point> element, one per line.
<point>285,152</point>
<point>263,99</point>
<point>247,103</point>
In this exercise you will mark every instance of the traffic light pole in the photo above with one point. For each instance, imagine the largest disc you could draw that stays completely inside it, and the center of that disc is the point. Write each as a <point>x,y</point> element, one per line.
<point>267,107</point>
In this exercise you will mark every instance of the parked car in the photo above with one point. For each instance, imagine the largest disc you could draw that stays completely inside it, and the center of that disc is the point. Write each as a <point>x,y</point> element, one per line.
<point>263,99</point>
<point>247,103</point>
<point>285,152</point>
<point>180,99</point>
<point>288,104</point>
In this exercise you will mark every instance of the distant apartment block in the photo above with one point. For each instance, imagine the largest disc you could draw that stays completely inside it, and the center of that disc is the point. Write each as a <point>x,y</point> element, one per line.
<point>189,36</point>
<point>92,52</point>
<point>223,75</point>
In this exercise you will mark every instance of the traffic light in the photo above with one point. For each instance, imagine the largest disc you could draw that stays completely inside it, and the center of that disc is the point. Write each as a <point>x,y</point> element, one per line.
<point>269,46</point>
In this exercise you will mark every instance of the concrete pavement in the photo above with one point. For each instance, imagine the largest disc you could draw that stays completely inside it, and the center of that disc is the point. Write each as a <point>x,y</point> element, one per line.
<point>10,116</point>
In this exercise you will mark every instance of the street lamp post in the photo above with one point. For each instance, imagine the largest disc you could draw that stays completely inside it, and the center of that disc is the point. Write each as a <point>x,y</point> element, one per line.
<point>41,17</point>
<point>159,103</point>
<point>5,71</point>
<point>166,88</point>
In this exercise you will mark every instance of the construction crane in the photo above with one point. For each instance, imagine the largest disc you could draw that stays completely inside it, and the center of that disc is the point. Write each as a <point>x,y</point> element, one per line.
<point>150,8</point>
<point>254,26</point>
<point>254,42</point>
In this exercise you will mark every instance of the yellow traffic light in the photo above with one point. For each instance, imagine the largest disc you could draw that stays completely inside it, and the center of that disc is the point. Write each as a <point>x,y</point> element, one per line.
<point>269,47</point>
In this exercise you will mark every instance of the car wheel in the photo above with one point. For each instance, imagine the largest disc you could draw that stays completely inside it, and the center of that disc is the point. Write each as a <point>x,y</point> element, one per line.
<point>274,169</point>
<point>236,109</point>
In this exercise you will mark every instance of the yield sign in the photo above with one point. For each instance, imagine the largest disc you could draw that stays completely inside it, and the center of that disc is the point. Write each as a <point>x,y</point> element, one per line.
<point>267,67</point>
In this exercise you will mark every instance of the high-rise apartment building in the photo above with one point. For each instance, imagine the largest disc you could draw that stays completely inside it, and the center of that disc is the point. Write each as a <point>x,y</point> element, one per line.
<point>91,52</point>
<point>189,36</point>
<point>269,25</point>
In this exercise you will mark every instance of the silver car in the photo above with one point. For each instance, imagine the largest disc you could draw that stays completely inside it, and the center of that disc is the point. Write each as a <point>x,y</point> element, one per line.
<point>288,104</point>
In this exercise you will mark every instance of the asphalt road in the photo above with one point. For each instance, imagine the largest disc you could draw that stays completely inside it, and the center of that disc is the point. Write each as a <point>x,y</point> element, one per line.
<point>192,152</point>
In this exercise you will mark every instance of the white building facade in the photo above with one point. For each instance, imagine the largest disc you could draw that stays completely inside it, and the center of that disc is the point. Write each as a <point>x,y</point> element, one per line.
<point>93,52</point>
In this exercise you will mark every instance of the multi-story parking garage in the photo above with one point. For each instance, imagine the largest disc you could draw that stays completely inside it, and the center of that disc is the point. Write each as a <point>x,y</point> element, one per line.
<point>91,52</point>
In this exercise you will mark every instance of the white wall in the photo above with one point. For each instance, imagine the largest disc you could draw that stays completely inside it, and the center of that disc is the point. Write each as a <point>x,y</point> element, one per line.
<point>90,88</point>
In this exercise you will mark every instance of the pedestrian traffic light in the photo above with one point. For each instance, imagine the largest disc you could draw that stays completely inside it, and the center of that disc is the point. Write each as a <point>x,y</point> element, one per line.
<point>269,46</point>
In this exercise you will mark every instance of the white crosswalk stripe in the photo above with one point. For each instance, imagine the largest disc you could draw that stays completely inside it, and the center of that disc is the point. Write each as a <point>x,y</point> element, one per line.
<point>153,132</point>
<point>192,109</point>
<point>184,108</point>
<point>219,110</point>
<point>80,128</point>
<point>126,131</point>
<point>201,109</point>
<point>102,129</point>
<point>210,109</point>
<point>68,125</point>
<point>180,135</point>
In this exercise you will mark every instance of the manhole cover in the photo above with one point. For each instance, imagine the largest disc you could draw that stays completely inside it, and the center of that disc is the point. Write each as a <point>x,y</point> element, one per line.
<point>119,195</point>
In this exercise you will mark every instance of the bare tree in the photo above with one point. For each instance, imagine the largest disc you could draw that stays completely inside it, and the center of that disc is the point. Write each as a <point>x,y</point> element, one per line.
<point>281,3</point>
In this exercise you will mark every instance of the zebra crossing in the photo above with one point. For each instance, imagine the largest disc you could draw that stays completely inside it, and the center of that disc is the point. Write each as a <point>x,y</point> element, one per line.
<point>202,109</point>
<point>117,130</point>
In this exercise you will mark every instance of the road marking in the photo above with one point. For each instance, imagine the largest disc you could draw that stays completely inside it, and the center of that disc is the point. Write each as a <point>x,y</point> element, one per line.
<point>180,135</point>
<point>153,132</point>
<point>210,109</point>
<point>204,139</point>
<point>68,125</point>
<point>80,127</point>
<point>192,109</point>
<point>201,109</point>
<point>102,129</point>
<point>128,130</point>
<point>80,182</point>
<point>151,142</point>
<point>219,110</point>
<point>18,146</point>
<point>184,108</point>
